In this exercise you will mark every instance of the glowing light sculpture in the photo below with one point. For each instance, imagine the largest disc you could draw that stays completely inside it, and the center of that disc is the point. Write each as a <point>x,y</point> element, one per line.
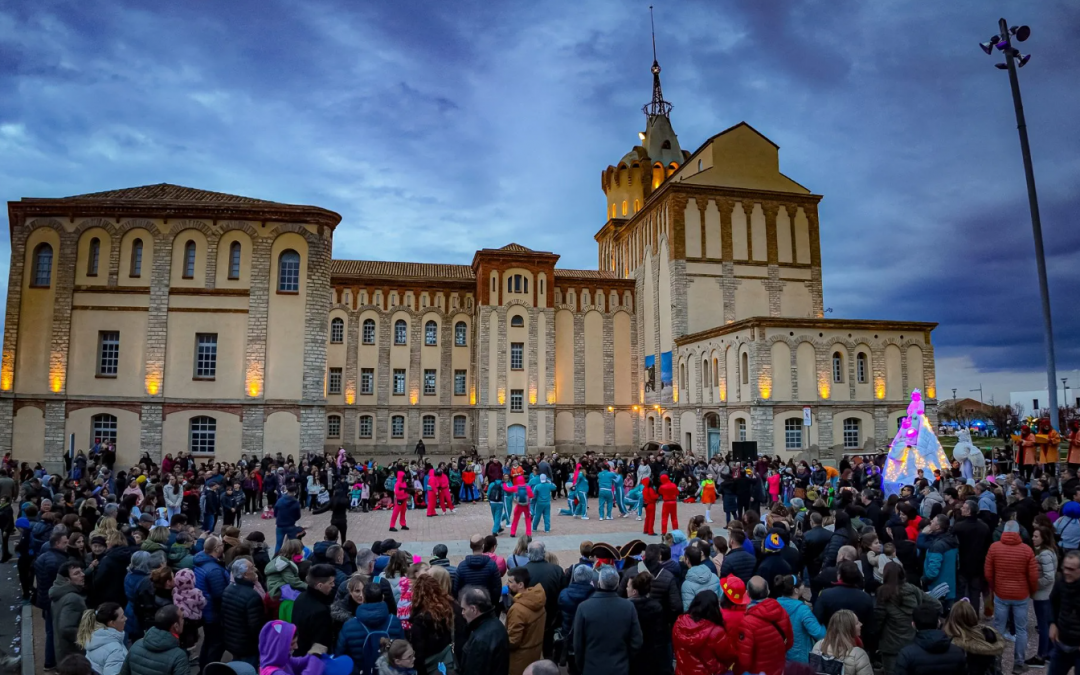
<point>914,447</point>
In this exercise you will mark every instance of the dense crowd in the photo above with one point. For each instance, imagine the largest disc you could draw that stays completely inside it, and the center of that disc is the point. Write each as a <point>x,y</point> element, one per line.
<point>150,570</point>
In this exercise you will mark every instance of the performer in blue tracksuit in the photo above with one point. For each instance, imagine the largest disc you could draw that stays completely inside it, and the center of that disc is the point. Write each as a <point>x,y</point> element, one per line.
<point>634,500</point>
<point>620,493</point>
<point>543,489</point>
<point>581,493</point>
<point>495,501</point>
<point>606,481</point>
<point>508,497</point>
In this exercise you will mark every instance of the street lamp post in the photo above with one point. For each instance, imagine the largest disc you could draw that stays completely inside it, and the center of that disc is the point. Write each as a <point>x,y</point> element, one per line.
<point>1003,42</point>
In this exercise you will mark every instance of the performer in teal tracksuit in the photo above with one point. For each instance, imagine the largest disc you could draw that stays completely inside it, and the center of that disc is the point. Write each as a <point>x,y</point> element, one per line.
<point>542,489</point>
<point>634,500</point>
<point>581,492</point>
<point>495,500</point>
<point>606,481</point>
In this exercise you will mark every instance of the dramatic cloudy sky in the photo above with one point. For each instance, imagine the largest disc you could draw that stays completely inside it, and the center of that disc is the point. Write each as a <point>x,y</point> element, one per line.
<point>436,128</point>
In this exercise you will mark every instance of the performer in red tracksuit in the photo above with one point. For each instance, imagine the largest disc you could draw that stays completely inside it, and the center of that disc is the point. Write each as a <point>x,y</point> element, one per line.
<point>669,492</point>
<point>401,502</point>
<point>649,496</point>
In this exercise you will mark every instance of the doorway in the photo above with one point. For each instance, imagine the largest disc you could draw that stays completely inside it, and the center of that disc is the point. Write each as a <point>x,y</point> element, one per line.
<point>515,439</point>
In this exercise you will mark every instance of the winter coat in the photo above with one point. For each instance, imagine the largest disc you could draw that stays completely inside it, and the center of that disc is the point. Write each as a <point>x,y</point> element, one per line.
<point>106,651</point>
<point>982,653</point>
<point>740,563</point>
<point>931,500</point>
<point>550,577</point>
<point>1065,600</point>
<point>242,617</point>
<point>487,650</point>
<point>148,600</point>
<point>428,638</point>
<point>1010,568</point>
<point>158,653</point>
<point>281,572</point>
<point>931,653</point>
<point>607,635</point>
<point>939,567</point>
<point>311,616</point>
<point>805,628</point>
<point>857,661</point>
<point>179,558</point>
<point>187,598</point>
<point>46,567</point>
<point>480,570</point>
<point>701,647</point>
<point>287,511</point>
<point>131,592</point>
<point>174,496</point>
<point>893,619</point>
<point>569,600</point>
<point>212,579</point>
<point>525,621</point>
<point>68,602</point>
<point>1047,561</point>
<point>655,636</point>
<point>973,537</point>
<point>369,618</point>
<point>838,597</point>
<point>698,578</point>
<point>764,638</point>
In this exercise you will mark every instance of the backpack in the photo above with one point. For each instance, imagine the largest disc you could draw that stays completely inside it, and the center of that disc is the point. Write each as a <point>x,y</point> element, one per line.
<point>522,495</point>
<point>372,648</point>
<point>389,483</point>
<point>823,664</point>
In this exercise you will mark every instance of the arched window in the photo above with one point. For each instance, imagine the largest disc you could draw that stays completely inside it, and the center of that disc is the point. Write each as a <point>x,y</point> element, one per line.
<point>525,284</point>
<point>136,259</point>
<point>202,434</point>
<point>667,428</point>
<point>650,428</point>
<point>401,332</point>
<point>740,428</point>
<point>103,428</point>
<point>860,367</point>
<point>613,211</point>
<point>517,283</point>
<point>509,284</point>
<point>745,368</point>
<point>397,426</point>
<point>337,331</point>
<point>289,272</point>
<point>493,288</point>
<point>189,260</point>
<point>793,433</point>
<point>851,433</point>
<point>369,331</point>
<point>699,165</point>
<point>93,258</point>
<point>431,333</point>
<point>365,426</point>
<point>234,260</point>
<point>666,145</point>
<point>461,333</point>
<point>333,426</point>
<point>625,207</point>
<point>42,266</point>
<point>837,367</point>
<point>517,321</point>
<point>428,426</point>
<point>637,205</point>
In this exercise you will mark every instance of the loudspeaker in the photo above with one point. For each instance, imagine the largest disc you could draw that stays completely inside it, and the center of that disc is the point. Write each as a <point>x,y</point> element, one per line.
<point>744,451</point>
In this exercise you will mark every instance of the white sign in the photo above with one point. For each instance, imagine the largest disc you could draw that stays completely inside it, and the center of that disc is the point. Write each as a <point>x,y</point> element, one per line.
<point>807,417</point>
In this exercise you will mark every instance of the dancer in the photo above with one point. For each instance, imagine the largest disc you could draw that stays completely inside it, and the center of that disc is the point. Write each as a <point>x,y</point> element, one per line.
<point>606,481</point>
<point>543,489</point>
<point>401,502</point>
<point>431,492</point>
<point>581,492</point>
<point>1048,441</point>
<point>1026,455</point>
<point>669,493</point>
<point>521,494</point>
<point>443,481</point>
<point>649,497</point>
<point>495,501</point>
<point>707,494</point>
<point>634,499</point>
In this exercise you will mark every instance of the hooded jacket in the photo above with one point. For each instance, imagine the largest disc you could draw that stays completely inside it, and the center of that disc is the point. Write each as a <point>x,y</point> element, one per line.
<point>401,487</point>
<point>698,578</point>
<point>740,563</point>
<point>857,661</point>
<point>515,490</point>
<point>1010,568</point>
<point>893,619</point>
<point>373,617</point>
<point>275,652</point>
<point>701,647</point>
<point>983,651</point>
<point>479,570</point>
<point>158,653</point>
<point>764,638</point>
<point>212,579</point>
<point>941,561</point>
<point>106,651</point>
<point>669,491</point>
<point>68,602</point>
<point>569,600</point>
<point>179,558</point>
<point>287,511</point>
<point>525,621</point>
<point>931,653</point>
<point>649,495</point>
<point>805,628</point>
<point>281,572</point>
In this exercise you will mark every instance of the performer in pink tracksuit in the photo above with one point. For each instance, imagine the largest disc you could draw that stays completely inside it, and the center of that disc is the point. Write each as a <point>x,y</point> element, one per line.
<point>445,502</point>
<point>401,502</point>
<point>521,495</point>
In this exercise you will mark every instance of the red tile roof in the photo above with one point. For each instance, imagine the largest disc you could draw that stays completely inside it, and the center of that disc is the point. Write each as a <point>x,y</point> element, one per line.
<point>381,268</point>
<point>170,192</point>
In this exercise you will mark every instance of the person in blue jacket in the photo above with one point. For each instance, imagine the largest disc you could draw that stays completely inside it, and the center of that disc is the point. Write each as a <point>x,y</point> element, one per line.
<point>606,482</point>
<point>634,500</point>
<point>942,553</point>
<point>581,493</point>
<point>287,513</point>
<point>495,501</point>
<point>543,489</point>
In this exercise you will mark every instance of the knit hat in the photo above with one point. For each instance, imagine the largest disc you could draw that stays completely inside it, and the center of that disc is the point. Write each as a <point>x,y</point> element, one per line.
<point>98,539</point>
<point>797,502</point>
<point>734,589</point>
<point>774,543</point>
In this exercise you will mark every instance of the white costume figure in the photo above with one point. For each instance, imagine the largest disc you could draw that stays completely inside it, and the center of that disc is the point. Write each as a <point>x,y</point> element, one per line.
<point>914,447</point>
<point>972,461</point>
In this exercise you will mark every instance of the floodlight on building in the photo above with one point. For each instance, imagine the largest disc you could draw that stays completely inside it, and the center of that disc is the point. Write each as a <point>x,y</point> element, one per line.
<point>1021,32</point>
<point>988,46</point>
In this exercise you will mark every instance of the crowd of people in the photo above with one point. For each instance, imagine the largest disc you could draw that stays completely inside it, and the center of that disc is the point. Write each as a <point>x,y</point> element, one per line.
<point>151,570</point>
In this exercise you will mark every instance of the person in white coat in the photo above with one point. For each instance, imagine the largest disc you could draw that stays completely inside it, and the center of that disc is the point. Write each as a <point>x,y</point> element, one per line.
<point>174,496</point>
<point>101,635</point>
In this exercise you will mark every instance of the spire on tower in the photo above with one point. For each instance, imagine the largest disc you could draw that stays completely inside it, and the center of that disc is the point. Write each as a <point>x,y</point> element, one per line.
<point>658,106</point>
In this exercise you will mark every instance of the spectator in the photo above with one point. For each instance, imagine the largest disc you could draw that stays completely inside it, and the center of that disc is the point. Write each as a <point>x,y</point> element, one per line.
<point>932,652</point>
<point>487,651</point>
<point>842,642</point>
<point>212,579</point>
<point>479,570</point>
<point>698,578</point>
<point>982,644</point>
<point>359,637</point>
<point>570,598</point>
<point>67,599</point>
<point>606,630</point>
<point>847,593</point>
<point>1012,575</point>
<point>894,610</point>
<point>398,657</point>
<point>159,651</point>
<point>804,625</point>
<point>287,513</point>
<point>154,592</point>
<point>766,634</point>
<point>738,561</point>
<point>242,613</point>
<point>973,541</point>
<point>1065,630</point>
<point>365,565</point>
<point>46,566</point>
<point>282,570</point>
<point>432,633</point>
<point>814,542</point>
<point>656,653</point>
<point>939,566</point>
<point>1046,555</point>
<point>103,638</point>
<point>701,644</point>
<point>277,643</point>
<point>74,664</point>
<point>139,569</point>
<point>550,577</point>
<point>733,603</point>
<point>526,619</point>
<point>439,559</point>
<point>311,611</point>
<point>544,667</point>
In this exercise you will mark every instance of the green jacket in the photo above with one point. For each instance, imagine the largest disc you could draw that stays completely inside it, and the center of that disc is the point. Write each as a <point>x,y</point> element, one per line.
<point>180,558</point>
<point>158,653</point>
<point>68,602</point>
<point>280,572</point>
<point>893,619</point>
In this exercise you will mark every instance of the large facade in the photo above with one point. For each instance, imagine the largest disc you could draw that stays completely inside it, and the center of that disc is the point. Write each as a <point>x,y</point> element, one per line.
<point>172,319</point>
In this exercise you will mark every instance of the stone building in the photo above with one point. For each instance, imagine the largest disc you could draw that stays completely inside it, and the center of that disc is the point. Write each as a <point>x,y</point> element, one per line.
<point>173,319</point>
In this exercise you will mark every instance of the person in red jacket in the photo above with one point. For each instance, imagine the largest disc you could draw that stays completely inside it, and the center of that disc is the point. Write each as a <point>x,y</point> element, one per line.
<point>765,635</point>
<point>669,492</point>
<point>521,494</point>
<point>702,645</point>
<point>649,497</point>
<point>1012,576</point>
<point>445,501</point>
<point>401,502</point>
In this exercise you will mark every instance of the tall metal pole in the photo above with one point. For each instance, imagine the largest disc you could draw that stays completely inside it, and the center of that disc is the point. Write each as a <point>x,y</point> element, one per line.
<point>1036,224</point>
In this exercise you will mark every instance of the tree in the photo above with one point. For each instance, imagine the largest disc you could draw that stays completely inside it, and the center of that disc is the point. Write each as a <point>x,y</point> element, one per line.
<point>952,411</point>
<point>1006,418</point>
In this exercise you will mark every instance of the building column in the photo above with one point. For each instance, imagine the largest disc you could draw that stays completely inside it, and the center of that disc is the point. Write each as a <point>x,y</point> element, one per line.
<point>609,377</point>
<point>7,423</point>
<point>157,318</point>
<point>316,311</point>
<point>252,434</point>
<point>258,315</point>
<point>55,436</point>
<point>533,396</point>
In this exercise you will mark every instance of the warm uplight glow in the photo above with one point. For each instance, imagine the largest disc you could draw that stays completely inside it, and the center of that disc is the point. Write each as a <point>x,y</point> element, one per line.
<point>674,394</point>
<point>765,385</point>
<point>414,396</point>
<point>823,385</point>
<point>611,408</point>
<point>56,384</point>
<point>637,408</point>
<point>532,394</point>
<point>253,388</point>
<point>502,396</point>
<point>641,135</point>
<point>931,391</point>
<point>153,383</point>
<point>879,388</point>
<point>472,396</point>
<point>7,371</point>
<point>551,398</point>
<point>656,407</point>
<point>350,397</point>
<point>723,390</point>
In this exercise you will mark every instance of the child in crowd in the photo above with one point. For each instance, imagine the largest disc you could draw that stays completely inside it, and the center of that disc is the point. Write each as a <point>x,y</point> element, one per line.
<point>888,555</point>
<point>384,503</point>
<point>190,601</point>
<point>355,496</point>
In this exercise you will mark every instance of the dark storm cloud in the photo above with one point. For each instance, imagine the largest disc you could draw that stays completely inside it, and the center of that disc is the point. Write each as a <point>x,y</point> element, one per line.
<point>439,128</point>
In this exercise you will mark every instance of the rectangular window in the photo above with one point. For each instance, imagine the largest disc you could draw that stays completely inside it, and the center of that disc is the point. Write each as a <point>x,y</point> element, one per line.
<point>793,434</point>
<point>429,382</point>
<point>203,435</point>
<point>399,381</point>
<point>333,384</point>
<point>742,430</point>
<point>365,426</point>
<point>397,426</point>
<point>459,426</point>
<point>108,353</point>
<point>205,356</point>
<point>369,332</point>
<point>851,433</point>
<point>517,400</point>
<point>517,355</point>
<point>460,382</point>
<point>429,426</point>
<point>860,368</point>
<point>333,427</point>
<point>367,380</point>
<point>460,334</point>
<point>837,368</point>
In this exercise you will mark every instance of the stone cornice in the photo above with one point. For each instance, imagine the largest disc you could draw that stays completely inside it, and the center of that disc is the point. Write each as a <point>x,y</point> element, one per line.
<point>804,323</point>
